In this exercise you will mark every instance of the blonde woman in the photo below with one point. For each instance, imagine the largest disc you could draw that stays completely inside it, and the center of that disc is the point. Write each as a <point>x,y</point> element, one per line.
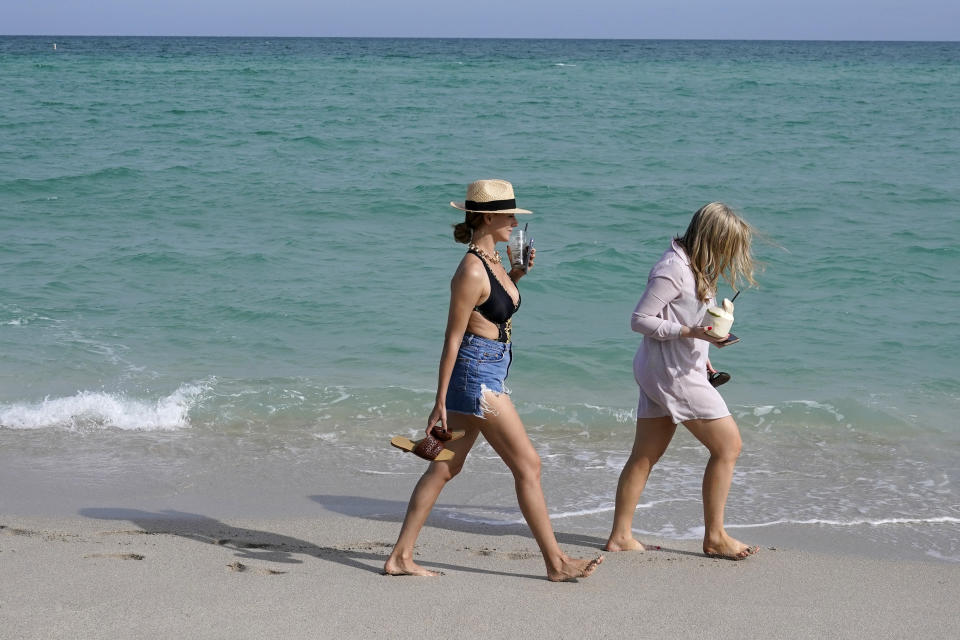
<point>671,368</point>
<point>471,395</point>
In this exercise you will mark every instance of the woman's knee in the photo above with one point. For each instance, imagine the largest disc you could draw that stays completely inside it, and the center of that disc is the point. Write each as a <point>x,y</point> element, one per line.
<point>721,437</point>
<point>643,460</point>
<point>527,468</point>
<point>728,449</point>
<point>445,472</point>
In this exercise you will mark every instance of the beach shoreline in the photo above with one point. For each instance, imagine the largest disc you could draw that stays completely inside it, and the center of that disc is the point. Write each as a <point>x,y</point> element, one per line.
<point>139,577</point>
<point>224,297</point>
<point>481,502</point>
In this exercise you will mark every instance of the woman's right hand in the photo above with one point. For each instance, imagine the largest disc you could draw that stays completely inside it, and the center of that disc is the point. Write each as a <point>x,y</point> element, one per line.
<point>700,333</point>
<point>439,414</point>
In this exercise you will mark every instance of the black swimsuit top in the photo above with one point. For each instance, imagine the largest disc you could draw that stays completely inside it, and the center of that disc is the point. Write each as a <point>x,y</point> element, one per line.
<point>498,307</point>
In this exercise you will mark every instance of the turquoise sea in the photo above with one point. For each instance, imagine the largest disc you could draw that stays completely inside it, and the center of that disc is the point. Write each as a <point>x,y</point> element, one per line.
<point>225,265</point>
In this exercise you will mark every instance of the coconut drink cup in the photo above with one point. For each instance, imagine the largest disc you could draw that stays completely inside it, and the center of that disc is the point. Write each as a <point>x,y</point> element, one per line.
<point>720,319</point>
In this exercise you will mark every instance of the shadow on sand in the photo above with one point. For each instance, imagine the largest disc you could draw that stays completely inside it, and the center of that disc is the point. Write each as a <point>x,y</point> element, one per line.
<point>264,546</point>
<point>441,518</point>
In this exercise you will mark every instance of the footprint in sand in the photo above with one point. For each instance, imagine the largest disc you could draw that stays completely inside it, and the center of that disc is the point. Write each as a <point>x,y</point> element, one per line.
<point>511,555</point>
<point>17,532</point>
<point>239,566</point>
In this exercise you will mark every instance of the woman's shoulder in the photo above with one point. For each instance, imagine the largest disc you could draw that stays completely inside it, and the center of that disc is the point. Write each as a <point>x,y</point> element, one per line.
<point>471,262</point>
<point>670,265</point>
<point>470,270</point>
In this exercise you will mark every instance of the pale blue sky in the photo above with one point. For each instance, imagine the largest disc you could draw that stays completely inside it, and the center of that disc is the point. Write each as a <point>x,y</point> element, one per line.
<point>728,19</point>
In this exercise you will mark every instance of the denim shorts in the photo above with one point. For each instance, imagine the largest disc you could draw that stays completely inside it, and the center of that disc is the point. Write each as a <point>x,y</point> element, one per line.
<point>482,365</point>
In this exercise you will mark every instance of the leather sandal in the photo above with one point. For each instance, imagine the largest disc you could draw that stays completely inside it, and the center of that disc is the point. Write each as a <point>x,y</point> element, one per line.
<point>431,447</point>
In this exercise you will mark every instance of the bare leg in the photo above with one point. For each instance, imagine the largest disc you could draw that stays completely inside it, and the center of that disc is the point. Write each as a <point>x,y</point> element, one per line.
<point>425,495</point>
<point>722,438</point>
<point>505,433</point>
<point>653,436</point>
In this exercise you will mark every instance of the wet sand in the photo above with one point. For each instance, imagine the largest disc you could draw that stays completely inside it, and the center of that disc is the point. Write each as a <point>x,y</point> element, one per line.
<point>124,573</point>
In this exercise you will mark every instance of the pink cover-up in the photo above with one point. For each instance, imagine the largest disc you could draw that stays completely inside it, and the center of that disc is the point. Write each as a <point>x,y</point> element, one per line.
<point>672,371</point>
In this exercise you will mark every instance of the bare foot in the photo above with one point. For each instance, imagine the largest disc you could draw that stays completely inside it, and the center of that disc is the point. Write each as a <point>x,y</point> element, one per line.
<point>399,567</point>
<point>728,548</point>
<point>573,568</point>
<point>624,544</point>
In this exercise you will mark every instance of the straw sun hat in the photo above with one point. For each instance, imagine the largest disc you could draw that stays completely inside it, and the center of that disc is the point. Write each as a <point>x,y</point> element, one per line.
<point>490,196</point>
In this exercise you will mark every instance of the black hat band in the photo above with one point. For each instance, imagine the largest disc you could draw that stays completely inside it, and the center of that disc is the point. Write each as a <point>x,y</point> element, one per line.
<point>495,205</point>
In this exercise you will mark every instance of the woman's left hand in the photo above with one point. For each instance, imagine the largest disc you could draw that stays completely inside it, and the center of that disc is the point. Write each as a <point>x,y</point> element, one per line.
<point>518,272</point>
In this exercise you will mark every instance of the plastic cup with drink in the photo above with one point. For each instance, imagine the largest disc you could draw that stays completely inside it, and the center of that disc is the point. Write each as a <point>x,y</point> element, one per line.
<point>520,243</point>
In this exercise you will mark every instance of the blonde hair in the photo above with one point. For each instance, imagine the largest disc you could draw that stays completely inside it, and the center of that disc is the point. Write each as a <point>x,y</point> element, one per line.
<point>717,242</point>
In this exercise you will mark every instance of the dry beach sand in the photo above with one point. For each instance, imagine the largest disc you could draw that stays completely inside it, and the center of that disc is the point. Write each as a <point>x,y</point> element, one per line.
<point>129,574</point>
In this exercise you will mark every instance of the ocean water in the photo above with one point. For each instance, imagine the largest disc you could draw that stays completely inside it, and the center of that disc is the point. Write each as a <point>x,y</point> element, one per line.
<point>225,269</point>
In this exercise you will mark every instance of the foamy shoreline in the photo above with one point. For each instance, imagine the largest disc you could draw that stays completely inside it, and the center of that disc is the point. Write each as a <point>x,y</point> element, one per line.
<point>310,578</point>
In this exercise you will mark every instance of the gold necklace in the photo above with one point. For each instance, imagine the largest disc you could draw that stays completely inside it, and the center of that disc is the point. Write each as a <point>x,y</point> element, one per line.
<point>495,258</point>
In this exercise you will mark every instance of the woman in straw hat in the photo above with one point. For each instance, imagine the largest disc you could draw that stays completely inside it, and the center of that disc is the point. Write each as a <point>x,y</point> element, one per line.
<point>471,396</point>
<point>671,368</point>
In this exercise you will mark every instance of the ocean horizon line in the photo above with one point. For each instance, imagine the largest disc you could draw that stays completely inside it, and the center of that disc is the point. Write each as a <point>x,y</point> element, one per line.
<point>468,38</point>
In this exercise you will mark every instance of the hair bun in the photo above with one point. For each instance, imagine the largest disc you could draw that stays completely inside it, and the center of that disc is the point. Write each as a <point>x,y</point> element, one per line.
<point>462,233</point>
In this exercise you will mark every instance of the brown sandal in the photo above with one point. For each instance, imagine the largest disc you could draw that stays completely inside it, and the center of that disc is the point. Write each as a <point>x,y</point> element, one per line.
<point>431,447</point>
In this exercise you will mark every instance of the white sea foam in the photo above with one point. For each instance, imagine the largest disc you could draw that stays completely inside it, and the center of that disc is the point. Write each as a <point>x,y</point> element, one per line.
<point>21,318</point>
<point>477,520</point>
<point>604,507</point>
<point>575,416</point>
<point>343,395</point>
<point>697,532</point>
<point>851,523</point>
<point>618,414</point>
<point>98,410</point>
<point>607,508</point>
<point>939,556</point>
<point>377,472</point>
<point>829,408</point>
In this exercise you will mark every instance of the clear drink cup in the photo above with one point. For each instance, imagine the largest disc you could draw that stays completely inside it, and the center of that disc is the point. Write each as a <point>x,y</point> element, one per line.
<point>517,243</point>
